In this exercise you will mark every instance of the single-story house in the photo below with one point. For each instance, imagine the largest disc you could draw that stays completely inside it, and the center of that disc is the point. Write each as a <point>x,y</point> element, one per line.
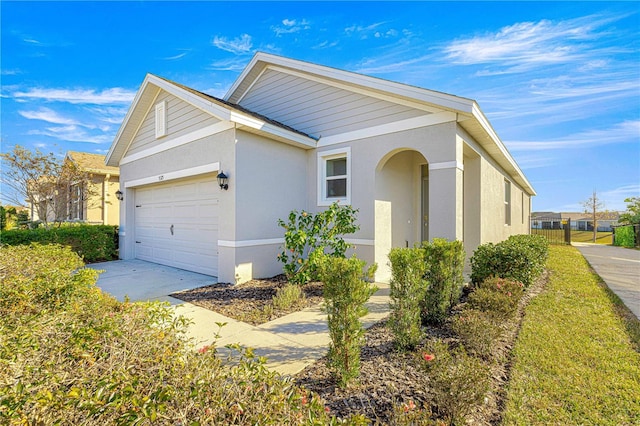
<point>578,221</point>
<point>416,163</point>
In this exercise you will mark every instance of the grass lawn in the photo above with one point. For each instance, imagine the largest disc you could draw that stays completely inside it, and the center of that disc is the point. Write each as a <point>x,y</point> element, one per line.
<point>587,237</point>
<point>574,360</point>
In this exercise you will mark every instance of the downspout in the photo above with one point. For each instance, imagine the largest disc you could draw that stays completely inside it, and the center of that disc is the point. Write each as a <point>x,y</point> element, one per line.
<point>105,193</point>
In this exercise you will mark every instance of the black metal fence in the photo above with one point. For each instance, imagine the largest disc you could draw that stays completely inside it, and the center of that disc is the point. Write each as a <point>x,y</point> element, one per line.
<point>555,230</point>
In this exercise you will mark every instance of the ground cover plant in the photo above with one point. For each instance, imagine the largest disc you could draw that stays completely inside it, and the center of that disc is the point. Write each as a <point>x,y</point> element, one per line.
<point>574,362</point>
<point>72,355</point>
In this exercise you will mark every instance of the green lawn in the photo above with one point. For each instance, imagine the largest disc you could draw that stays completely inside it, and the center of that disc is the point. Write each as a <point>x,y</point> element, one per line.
<point>576,236</point>
<point>574,360</point>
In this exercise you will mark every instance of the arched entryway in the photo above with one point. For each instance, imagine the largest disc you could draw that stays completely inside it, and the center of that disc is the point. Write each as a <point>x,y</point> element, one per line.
<point>401,204</point>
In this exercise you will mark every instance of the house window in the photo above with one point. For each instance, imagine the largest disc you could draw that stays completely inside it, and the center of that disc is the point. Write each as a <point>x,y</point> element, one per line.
<point>161,119</point>
<point>507,202</point>
<point>334,176</point>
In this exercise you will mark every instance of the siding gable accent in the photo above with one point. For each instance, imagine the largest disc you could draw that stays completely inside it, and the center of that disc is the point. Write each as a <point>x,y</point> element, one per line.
<point>161,119</point>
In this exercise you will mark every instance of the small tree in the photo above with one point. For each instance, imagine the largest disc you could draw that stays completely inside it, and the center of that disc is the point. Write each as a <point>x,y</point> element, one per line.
<point>594,206</point>
<point>43,182</point>
<point>346,290</point>
<point>632,215</point>
<point>309,236</point>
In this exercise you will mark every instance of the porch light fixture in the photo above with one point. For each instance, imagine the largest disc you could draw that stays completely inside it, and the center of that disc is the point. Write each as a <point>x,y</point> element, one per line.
<point>119,195</point>
<point>222,180</point>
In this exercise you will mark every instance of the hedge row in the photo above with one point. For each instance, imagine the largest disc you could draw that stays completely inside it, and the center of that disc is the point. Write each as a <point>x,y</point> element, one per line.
<point>70,354</point>
<point>520,257</point>
<point>93,243</point>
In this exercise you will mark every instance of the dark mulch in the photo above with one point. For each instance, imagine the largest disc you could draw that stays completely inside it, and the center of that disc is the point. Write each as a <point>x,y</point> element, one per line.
<point>388,378</point>
<point>247,302</point>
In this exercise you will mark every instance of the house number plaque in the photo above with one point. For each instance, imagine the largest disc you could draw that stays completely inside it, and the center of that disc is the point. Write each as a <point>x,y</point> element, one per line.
<point>161,177</point>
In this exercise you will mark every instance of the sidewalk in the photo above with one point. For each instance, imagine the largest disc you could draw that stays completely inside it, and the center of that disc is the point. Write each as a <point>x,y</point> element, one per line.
<point>619,267</point>
<point>290,343</point>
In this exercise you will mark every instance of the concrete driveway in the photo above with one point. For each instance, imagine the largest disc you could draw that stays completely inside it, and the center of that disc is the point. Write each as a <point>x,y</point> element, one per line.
<point>143,281</point>
<point>619,267</point>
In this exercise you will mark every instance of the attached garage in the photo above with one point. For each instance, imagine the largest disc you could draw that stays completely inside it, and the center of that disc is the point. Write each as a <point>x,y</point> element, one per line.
<point>176,224</point>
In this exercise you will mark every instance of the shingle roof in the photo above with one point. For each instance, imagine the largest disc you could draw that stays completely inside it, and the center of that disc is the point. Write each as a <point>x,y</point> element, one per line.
<point>94,163</point>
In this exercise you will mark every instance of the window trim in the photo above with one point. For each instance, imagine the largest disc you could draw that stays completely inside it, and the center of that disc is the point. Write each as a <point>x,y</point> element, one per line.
<point>323,157</point>
<point>507,202</point>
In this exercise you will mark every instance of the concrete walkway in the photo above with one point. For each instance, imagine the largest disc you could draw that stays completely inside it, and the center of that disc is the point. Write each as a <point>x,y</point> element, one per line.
<point>290,343</point>
<point>619,267</point>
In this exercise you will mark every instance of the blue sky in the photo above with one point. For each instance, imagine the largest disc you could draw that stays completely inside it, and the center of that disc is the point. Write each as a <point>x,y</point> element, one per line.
<point>560,82</point>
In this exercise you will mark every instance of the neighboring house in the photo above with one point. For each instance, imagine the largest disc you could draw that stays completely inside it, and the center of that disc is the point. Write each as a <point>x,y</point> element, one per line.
<point>578,221</point>
<point>96,204</point>
<point>417,164</point>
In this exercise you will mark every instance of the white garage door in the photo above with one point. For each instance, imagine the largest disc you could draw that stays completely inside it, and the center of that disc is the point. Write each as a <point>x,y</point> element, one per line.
<point>176,224</point>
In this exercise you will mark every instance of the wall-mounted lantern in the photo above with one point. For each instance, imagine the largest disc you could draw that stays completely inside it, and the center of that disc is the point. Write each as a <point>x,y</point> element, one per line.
<point>119,195</point>
<point>223,180</point>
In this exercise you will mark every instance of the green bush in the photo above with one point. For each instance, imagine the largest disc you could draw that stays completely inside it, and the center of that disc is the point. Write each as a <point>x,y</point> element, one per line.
<point>308,237</point>
<point>94,243</point>
<point>85,358</point>
<point>477,330</point>
<point>520,257</point>
<point>458,381</point>
<point>444,263</point>
<point>346,290</point>
<point>288,296</point>
<point>408,289</point>
<point>497,304</point>
<point>624,236</point>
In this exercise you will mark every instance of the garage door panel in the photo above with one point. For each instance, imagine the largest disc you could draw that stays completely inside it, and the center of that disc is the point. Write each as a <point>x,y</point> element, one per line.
<point>191,207</point>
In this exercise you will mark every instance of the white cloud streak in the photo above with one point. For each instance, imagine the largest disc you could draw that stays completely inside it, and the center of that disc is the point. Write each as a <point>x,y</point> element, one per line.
<point>48,115</point>
<point>290,26</point>
<point>624,132</point>
<point>238,45</point>
<point>114,95</point>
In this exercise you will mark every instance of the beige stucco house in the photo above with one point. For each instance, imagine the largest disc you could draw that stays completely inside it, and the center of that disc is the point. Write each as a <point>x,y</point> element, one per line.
<point>418,164</point>
<point>96,203</point>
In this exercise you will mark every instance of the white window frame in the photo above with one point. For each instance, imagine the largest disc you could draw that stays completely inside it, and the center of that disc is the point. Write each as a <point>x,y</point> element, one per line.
<point>323,157</point>
<point>161,119</point>
<point>507,202</point>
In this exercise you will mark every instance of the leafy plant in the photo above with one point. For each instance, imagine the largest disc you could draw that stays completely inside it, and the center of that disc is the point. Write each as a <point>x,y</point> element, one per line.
<point>408,289</point>
<point>477,330</point>
<point>520,257</point>
<point>624,236</point>
<point>288,296</point>
<point>310,236</point>
<point>346,290</point>
<point>70,354</point>
<point>459,381</point>
<point>94,243</point>
<point>444,263</point>
<point>498,305</point>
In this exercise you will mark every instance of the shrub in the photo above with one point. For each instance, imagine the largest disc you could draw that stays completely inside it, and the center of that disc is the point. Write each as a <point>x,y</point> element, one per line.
<point>93,243</point>
<point>346,290</point>
<point>459,381</point>
<point>444,263</point>
<point>308,237</point>
<point>477,330</point>
<point>288,296</point>
<point>408,288</point>
<point>521,257</point>
<point>499,305</point>
<point>92,360</point>
<point>624,236</point>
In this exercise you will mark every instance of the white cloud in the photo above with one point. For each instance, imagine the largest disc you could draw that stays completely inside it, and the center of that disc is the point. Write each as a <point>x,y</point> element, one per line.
<point>236,63</point>
<point>77,96</point>
<point>238,45</point>
<point>525,45</point>
<point>290,26</point>
<point>48,115</point>
<point>178,56</point>
<point>72,133</point>
<point>624,132</point>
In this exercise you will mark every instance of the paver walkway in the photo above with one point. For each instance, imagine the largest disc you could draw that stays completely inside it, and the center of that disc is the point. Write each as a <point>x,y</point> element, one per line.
<point>290,343</point>
<point>619,267</point>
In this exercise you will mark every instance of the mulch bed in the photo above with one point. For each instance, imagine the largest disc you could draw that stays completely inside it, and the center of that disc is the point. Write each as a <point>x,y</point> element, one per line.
<point>388,378</point>
<point>246,302</point>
